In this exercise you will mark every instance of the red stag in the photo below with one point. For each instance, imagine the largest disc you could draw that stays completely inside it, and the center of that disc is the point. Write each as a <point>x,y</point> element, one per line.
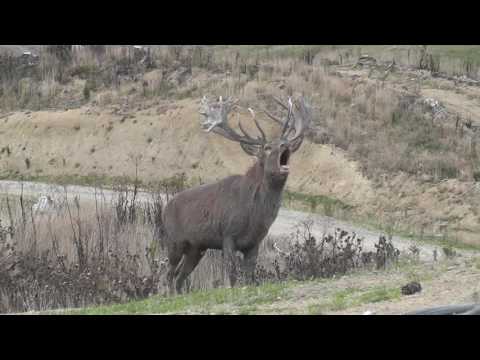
<point>233,214</point>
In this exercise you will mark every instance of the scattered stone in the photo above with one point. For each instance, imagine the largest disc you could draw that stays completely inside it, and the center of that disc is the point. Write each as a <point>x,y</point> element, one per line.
<point>431,102</point>
<point>366,60</point>
<point>179,76</point>
<point>437,109</point>
<point>426,178</point>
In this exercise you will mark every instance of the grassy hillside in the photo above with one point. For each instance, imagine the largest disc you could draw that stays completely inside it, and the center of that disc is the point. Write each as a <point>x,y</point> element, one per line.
<point>351,294</point>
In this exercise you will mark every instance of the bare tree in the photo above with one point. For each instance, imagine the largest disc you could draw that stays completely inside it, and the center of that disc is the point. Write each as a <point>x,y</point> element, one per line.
<point>233,214</point>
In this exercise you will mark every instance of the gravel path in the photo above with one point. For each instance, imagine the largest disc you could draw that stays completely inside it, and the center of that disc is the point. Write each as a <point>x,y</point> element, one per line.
<point>284,224</point>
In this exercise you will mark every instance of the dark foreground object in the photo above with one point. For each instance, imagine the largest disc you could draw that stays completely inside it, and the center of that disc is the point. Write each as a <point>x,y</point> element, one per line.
<point>471,309</point>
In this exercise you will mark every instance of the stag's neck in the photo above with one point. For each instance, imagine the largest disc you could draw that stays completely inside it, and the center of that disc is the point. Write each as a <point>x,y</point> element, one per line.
<point>264,189</point>
<point>256,173</point>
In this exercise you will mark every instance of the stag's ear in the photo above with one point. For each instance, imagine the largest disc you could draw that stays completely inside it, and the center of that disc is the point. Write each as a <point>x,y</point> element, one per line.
<point>251,150</point>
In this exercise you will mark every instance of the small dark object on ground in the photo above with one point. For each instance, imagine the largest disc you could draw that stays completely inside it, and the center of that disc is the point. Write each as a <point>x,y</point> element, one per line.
<point>411,288</point>
<point>449,252</point>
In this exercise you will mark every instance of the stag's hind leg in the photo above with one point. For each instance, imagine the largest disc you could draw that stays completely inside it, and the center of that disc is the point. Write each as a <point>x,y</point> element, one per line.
<point>190,261</point>
<point>174,257</point>
<point>249,263</point>
<point>230,260</point>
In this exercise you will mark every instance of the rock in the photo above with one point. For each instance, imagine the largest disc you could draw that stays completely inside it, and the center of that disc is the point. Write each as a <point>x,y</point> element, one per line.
<point>411,288</point>
<point>426,178</point>
<point>179,76</point>
<point>319,135</point>
<point>366,60</point>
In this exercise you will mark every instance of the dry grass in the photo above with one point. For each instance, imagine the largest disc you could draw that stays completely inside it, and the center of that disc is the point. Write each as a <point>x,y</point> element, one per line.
<point>108,251</point>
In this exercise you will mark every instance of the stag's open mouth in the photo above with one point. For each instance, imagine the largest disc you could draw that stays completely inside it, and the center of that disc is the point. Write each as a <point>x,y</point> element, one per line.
<point>283,161</point>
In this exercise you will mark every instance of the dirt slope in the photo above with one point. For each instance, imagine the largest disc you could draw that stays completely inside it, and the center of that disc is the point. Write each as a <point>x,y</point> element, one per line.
<point>169,140</point>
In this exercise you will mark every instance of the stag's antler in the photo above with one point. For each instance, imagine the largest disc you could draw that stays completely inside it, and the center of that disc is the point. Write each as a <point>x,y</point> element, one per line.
<point>217,121</point>
<point>297,124</point>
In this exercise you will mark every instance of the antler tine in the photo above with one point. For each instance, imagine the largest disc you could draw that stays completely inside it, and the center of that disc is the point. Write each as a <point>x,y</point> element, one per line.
<point>247,135</point>
<point>285,124</point>
<point>290,114</point>
<point>273,117</point>
<point>280,102</point>
<point>264,138</point>
<point>229,133</point>
<point>228,102</point>
<point>304,117</point>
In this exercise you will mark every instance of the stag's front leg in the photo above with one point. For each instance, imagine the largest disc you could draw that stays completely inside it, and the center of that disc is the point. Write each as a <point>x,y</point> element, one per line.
<point>230,260</point>
<point>191,260</point>
<point>249,263</point>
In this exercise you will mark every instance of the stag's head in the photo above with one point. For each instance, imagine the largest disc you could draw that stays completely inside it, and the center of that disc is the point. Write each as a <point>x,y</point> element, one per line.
<point>274,154</point>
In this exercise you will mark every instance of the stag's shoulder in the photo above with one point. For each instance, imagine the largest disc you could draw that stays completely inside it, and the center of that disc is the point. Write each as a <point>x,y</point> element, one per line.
<point>228,181</point>
<point>232,179</point>
<point>210,187</point>
<point>227,184</point>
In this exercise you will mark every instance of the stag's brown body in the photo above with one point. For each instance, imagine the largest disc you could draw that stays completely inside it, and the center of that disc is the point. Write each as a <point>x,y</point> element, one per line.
<point>233,214</point>
<point>240,207</point>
